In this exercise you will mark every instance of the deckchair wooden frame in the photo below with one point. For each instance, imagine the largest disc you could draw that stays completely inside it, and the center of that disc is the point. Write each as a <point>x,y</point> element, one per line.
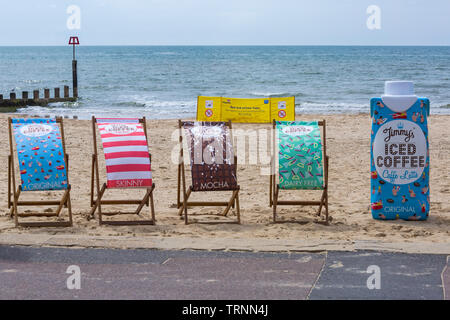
<point>182,206</point>
<point>96,204</point>
<point>275,188</point>
<point>15,203</point>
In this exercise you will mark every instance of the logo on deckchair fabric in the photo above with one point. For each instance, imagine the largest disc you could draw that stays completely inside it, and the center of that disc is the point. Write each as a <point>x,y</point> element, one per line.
<point>297,130</point>
<point>120,128</point>
<point>40,154</point>
<point>300,155</point>
<point>126,153</point>
<point>211,156</point>
<point>35,130</point>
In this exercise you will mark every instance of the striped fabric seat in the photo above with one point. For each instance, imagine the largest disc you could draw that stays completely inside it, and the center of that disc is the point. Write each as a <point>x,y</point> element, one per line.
<point>126,153</point>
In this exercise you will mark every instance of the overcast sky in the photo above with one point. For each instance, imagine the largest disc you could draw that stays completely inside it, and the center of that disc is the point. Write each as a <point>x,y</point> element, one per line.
<point>226,22</point>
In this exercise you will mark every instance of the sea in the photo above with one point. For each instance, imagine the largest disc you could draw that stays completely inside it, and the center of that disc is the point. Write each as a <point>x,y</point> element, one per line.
<point>163,82</point>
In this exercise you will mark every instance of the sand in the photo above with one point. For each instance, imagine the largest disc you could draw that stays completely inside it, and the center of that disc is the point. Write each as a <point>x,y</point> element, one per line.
<point>349,190</point>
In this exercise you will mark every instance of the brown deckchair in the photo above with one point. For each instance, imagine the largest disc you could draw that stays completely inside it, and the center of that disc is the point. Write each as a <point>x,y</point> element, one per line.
<point>218,173</point>
<point>128,165</point>
<point>44,166</point>
<point>295,172</point>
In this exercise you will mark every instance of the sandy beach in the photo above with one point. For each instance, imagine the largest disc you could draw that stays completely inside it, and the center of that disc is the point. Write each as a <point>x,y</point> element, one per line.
<point>349,190</point>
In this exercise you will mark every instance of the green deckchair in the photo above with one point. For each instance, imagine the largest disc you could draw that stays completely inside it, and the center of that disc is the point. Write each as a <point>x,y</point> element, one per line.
<point>302,163</point>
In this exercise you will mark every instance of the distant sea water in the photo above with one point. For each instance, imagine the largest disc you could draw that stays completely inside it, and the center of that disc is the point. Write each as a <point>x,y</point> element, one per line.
<point>163,82</point>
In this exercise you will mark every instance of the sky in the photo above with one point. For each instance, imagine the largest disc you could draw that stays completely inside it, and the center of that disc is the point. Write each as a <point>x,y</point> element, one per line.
<point>225,22</point>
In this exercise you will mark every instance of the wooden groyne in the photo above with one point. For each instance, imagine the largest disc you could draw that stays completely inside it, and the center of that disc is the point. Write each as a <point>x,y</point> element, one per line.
<point>14,102</point>
<point>35,99</point>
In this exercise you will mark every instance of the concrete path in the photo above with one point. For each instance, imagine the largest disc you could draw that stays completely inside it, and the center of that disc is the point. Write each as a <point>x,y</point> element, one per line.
<point>40,273</point>
<point>402,276</point>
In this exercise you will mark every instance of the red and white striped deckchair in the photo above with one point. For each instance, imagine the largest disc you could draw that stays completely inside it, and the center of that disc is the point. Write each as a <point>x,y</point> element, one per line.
<point>128,165</point>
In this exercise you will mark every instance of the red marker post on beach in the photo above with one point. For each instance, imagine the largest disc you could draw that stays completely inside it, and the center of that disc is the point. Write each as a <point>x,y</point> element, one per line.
<point>74,42</point>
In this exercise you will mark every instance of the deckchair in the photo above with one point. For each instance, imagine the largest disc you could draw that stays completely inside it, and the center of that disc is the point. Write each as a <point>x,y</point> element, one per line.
<point>302,163</point>
<point>128,165</point>
<point>213,166</point>
<point>43,165</point>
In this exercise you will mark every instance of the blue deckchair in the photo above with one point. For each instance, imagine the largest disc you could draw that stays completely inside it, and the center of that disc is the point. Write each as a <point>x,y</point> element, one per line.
<point>43,166</point>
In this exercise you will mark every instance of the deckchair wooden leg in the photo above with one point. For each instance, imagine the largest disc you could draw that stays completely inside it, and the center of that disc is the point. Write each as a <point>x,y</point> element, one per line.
<point>62,202</point>
<point>9,181</point>
<point>238,210</point>
<point>99,204</point>
<point>185,203</point>
<point>92,179</point>
<point>322,202</point>
<point>152,204</point>
<point>185,210</point>
<point>15,195</point>
<point>275,202</point>
<point>97,201</point>
<point>143,202</point>
<point>187,195</point>
<point>270,191</point>
<point>15,210</point>
<point>179,188</point>
<point>69,209</point>
<point>230,203</point>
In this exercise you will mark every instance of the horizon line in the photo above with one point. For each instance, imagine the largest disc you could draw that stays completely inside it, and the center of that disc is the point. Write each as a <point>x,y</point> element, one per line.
<point>232,45</point>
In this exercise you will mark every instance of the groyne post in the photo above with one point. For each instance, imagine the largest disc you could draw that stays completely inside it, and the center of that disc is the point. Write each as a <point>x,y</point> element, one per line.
<point>74,41</point>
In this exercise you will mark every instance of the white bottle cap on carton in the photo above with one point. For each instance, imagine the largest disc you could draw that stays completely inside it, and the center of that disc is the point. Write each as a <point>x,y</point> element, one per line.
<point>399,88</point>
<point>399,95</point>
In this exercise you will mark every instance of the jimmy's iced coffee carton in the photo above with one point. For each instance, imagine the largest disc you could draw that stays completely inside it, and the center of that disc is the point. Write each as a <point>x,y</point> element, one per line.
<point>400,162</point>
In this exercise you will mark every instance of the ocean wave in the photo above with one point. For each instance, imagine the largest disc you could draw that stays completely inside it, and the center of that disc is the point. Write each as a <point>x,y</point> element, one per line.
<point>276,94</point>
<point>167,53</point>
<point>330,107</point>
<point>129,103</point>
<point>158,109</point>
<point>144,103</point>
<point>65,104</point>
<point>31,81</point>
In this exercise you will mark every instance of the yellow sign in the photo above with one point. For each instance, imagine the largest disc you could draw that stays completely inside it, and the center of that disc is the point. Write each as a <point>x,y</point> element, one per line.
<point>282,109</point>
<point>246,110</point>
<point>259,110</point>
<point>208,108</point>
